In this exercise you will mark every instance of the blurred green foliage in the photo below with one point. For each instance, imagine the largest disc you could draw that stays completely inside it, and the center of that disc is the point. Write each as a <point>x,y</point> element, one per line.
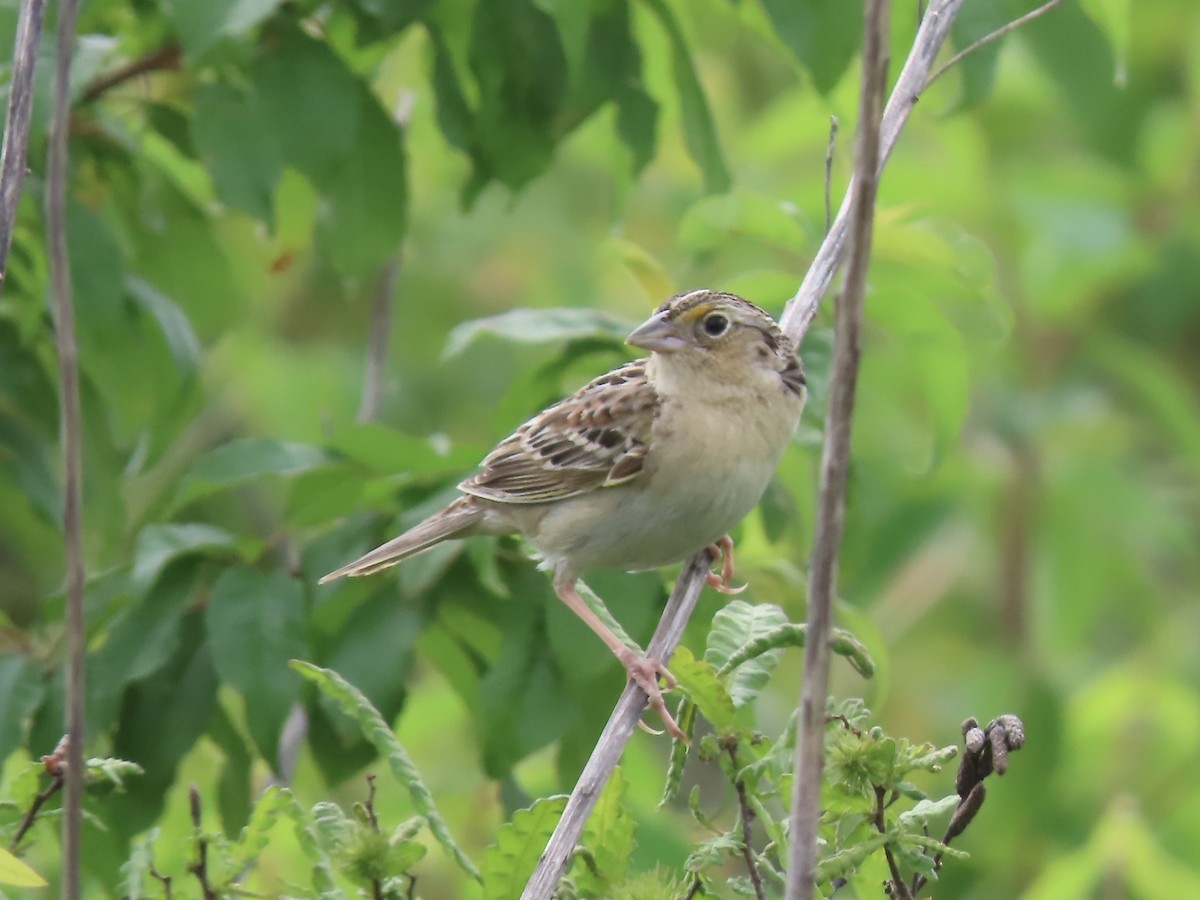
<point>1025,491</point>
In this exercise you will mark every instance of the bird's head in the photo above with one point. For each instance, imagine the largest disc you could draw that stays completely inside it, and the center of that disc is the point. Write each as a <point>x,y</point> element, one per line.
<point>721,334</point>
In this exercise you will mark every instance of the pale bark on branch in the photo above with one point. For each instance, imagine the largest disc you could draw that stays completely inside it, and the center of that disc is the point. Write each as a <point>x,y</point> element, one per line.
<point>70,430</point>
<point>796,318</point>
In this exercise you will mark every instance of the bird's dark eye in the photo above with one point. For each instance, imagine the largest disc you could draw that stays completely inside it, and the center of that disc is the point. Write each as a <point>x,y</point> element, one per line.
<point>715,325</point>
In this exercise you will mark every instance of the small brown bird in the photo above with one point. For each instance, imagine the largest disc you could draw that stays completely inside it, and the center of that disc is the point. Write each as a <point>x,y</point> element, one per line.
<point>643,467</point>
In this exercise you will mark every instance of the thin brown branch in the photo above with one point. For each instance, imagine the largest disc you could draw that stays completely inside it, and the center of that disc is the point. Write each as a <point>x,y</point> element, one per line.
<point>13,161</point>
<point>70,429</point>
<point>164,59</point>
<point>376,884</point>
<point>380,329</point>
<point>829,150</point>
<point>797,316</point>
<point>200,867</point>
<point>835,462</point>
<point>899,888</point>
<point>746,814</point>
<point>166,882</point>
<point>935,26</point>
<point>35,807</point>
<point>375,371</point>
<point>992,36</point>
<point>616,734</point>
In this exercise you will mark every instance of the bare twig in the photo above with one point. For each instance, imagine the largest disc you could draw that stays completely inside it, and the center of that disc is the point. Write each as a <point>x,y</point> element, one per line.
<point>829,149</point>
<point>165,58</point>
<point>16,124</point>
<point>166,882</point>
<point>35,807</point>
<point>746,813</point>
<point>375,371</point>
<point>796,318</point>
<point>615,736</point>
<point>200,867</point>
<point>835,463</point>
<point>992,36</point>
<point>935,26</point>
<point>376,884</point>
<point>70,429</point>
<point>898,889</point>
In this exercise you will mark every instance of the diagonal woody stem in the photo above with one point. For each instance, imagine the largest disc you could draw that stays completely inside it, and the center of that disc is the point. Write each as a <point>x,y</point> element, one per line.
<point>799,313</point>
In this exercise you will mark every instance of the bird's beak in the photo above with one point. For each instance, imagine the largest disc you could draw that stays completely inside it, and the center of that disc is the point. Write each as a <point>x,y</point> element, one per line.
<point>657,333</point>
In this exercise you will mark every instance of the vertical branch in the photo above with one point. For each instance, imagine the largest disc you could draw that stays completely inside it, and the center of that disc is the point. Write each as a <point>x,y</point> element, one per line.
<point>70,428</point>
<point>375,371</point>
<point>801,309</point>
<point>835,461</point>
<point>377,340</point>
<point>16,123</point>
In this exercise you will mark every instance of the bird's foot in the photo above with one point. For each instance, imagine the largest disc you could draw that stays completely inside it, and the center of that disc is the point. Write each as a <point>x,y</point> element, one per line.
<point>723,582</point>
<point>645,672</point>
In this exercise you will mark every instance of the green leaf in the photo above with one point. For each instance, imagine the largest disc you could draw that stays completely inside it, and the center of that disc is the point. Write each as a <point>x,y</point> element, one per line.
<point>141,641</point>
<point>136,869</point>
<point>925,810</point>
<point>351,701</point>
<point>712,222</point>
<point>609,837</point>
<point>16,873</point>
<point>273,803</point>
<point>518,61</point>
<point>1115,18</point>
<point>824,35</point>
<point>158,545</point>
<point>256,623</point>
<point>177,331</point>
<point>200,25</point>
<point>236,145</point>
<point>699,130</point>
<point>841,863</point>
<point>637,125</point>
<point>509,862</point>
<point>699,681</point>
<point>245,460</point>
<point>21,690</point>
<point>539,326</point>
<point>737,624</point>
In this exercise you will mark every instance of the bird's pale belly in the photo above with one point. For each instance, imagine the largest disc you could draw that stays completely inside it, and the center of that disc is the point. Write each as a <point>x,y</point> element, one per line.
<point>640,530</point>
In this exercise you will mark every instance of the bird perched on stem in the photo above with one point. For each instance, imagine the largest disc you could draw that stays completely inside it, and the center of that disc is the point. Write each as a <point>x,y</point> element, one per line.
<point>642,467</point>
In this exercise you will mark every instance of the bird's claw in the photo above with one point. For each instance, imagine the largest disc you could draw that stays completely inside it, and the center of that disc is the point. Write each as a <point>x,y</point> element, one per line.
<point>645,672</point>
<point>723,582</point>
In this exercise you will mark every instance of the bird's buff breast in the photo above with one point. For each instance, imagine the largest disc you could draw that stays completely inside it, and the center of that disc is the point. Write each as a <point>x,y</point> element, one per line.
<point>692,492</point>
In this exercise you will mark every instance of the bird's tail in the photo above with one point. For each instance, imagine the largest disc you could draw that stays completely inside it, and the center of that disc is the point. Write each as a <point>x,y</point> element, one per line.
<point>456,520</point>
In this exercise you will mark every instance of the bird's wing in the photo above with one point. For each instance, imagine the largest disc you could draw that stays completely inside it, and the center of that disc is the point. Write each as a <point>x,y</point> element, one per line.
<point>597,437</point>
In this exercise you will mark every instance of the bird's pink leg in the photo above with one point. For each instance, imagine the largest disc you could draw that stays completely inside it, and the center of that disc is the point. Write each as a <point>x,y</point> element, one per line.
<point>643,672</point>
<point>723,550</point>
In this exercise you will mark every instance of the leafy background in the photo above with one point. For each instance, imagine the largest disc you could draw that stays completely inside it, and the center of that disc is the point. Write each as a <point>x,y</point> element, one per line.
<point>1025,492</point>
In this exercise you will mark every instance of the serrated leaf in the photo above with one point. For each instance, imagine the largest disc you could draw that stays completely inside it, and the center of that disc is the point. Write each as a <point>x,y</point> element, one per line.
<point>256,624</point>
<point>509,862</point>
<point>352,702</point>
<point>839,864</point>
<point>699,681</point>
<point>734,626</point>
<point>136,869</point>
<point>699,129</point>
<point>16,873</point>
<point>609,838</point>
<point>243,460</point>
<point>539,326</point>
<point>925,810</point>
